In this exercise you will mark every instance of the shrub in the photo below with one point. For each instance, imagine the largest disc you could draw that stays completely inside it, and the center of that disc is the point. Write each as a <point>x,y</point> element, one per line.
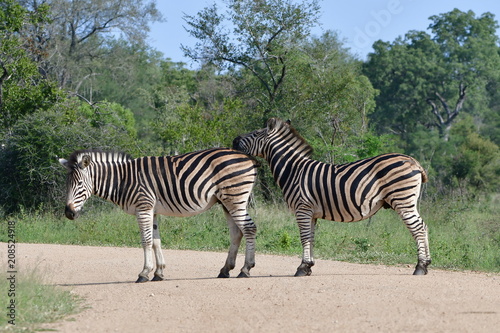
<point>31,174</point>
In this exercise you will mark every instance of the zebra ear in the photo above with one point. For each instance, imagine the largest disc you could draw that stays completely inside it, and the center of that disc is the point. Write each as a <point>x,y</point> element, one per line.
<point>85,162</point>
<point>64,163</point>
<point>271,123</point>
<point>289,122</point>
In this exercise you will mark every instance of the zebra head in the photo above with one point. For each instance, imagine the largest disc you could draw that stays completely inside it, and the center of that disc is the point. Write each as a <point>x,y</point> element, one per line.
<point>78,183</point>
<point>257,142</point>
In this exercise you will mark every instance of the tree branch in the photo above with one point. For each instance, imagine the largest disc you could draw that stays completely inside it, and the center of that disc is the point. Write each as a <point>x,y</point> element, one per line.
<point>254,72</point>
<point>5,76</point>
<point>269,41</point>
<point>461,99</point>
<point>83,79</point>
<point>280,80</point>
<point>443,102</point>
<point>100,27</point>
<point>435,111</point>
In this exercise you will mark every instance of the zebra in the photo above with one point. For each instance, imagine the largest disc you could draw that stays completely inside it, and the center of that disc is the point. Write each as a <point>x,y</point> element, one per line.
<point>182,185</point>
<point>343,193</point>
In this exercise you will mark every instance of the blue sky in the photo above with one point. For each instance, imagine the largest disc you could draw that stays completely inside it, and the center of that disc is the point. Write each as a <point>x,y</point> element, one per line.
<point>359,22</point>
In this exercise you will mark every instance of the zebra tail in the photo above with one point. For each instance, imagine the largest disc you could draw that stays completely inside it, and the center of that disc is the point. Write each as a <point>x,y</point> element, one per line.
<point>425,178</point>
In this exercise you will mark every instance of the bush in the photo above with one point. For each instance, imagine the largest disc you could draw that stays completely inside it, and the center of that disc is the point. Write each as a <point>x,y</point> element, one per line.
<point>31,174</point>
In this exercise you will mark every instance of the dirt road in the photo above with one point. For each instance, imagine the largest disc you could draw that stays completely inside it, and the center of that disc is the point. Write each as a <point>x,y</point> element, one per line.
<point>338,297</point>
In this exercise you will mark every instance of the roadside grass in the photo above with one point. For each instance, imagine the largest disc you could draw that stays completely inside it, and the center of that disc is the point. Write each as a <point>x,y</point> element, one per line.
<point>36,302</point>
<point>463,235</point>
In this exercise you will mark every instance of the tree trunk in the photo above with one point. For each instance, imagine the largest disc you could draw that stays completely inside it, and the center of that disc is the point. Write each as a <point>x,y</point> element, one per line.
<point>444,123</point>
<point>5,76</point>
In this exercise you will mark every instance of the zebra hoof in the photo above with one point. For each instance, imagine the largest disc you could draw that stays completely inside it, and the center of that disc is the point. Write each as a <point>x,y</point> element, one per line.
<point>142,279</point>
<point>304,269</point>
<point>223,275</point>
<point>303,272</point>
<point>157,278</point>
<point>243,275</point>
<point>420,271</point>
<point>421,268</point>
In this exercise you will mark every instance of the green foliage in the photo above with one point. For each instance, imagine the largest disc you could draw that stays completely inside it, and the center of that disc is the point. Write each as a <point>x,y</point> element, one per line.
<point>128,75</point>
<point>107,114</point>
<point>11,16</point>
<point>255,38</point>
<point>30,151</point>
<point>420,76</point>
<point>439,93</point>
<point>353,148</point>
<point>75,43</point>
<point>478,163</point>
<point>191,128</point>
<point>23,89</point>
<point>196,110</point>
<point>326,97</point>
<point>467,163</point>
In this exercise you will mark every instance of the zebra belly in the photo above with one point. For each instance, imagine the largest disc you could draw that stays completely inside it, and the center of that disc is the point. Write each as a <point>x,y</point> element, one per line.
<point>183,210</point>
<point>351,215</point>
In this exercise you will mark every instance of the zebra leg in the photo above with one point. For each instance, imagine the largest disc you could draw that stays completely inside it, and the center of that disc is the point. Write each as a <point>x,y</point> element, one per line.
<point>145,221</point>
<point>236,235</point>
<point>306,226</point>
<point>249,230</point>
<point>419,231</point>
<point>160,261</point>
<point>240,227</point>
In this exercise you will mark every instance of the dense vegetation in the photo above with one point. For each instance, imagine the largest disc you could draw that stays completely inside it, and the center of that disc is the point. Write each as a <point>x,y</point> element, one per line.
<point>68,82</point>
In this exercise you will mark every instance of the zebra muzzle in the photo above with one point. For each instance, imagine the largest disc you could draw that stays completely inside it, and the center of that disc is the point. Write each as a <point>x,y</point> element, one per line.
<point>236,143</point>
<point>70,212</point>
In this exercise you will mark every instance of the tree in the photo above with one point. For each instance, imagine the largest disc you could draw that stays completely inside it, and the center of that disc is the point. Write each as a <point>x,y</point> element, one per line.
<point>327,98</point>
<point>263,34</point>
<point>80,30</point>
<point>127,75</point>
<point>22,89</point>
<point>431,85</point>
<point>430,79</point>
<point>195,109</point>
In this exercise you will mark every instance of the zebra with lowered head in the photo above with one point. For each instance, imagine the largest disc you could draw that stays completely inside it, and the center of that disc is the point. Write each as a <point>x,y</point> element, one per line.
<point>344,193</point>
<point>182,185</point>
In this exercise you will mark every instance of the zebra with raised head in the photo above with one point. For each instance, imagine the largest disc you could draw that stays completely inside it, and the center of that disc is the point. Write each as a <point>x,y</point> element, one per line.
<point>182,185</point>
<point>344,193</point>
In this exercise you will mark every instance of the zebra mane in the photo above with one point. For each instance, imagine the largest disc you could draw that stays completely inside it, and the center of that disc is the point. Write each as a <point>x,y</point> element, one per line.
<point>305,147</point>
<point>98,156</point>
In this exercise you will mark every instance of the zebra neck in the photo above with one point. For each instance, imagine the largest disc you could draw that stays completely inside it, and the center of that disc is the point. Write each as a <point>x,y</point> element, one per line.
<point>107,181</point>
<point>285,167</point>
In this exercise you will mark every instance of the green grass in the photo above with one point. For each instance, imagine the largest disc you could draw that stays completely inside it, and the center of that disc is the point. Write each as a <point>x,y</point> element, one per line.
<point>36,302</point>
<point>462,235</point>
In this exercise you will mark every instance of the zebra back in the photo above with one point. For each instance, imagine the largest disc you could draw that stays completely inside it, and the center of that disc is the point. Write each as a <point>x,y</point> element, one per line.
<point>179,185</point>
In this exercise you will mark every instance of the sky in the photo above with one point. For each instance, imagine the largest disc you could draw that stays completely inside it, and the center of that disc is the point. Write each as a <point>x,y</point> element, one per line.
<point>358,22</point>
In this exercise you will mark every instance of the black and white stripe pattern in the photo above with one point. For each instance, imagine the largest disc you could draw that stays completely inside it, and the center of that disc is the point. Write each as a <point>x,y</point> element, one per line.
<point>344,193</point>
<point>181,185</point>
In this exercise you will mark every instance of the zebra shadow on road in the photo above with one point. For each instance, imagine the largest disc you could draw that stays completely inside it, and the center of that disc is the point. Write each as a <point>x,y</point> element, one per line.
<point>275,276</point>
